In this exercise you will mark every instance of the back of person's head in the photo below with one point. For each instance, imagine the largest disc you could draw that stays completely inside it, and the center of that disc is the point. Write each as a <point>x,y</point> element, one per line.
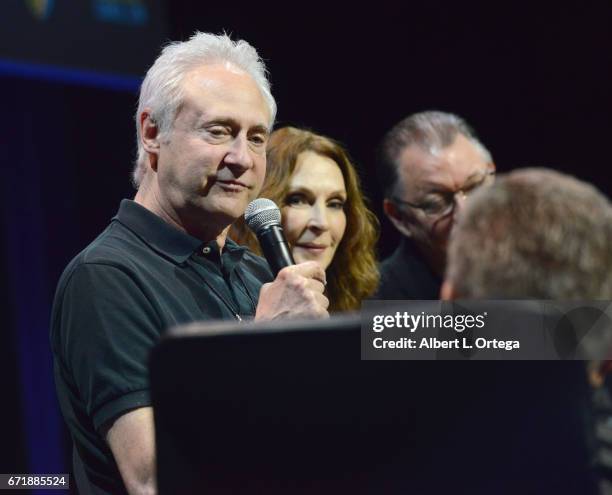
<point>535,233</point>
<point>431,131</point>
<point>161,90</point>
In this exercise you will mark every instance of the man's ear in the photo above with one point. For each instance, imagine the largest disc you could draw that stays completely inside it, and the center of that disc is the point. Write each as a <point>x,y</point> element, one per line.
<point>397,217</point>
<point>447,291</point>
<point>149,136</point>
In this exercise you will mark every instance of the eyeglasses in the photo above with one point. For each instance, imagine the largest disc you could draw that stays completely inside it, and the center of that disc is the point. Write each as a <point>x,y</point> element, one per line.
<point>443,204</point>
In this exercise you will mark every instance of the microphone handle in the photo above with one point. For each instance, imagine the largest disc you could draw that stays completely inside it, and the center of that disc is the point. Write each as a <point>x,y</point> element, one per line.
<point>275,248</point>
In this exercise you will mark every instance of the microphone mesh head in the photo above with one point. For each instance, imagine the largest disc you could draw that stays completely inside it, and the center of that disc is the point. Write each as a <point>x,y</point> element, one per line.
<point>261,213</point>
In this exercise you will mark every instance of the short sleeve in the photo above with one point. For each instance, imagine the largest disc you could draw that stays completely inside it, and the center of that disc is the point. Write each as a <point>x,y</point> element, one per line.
<point>108,328</point>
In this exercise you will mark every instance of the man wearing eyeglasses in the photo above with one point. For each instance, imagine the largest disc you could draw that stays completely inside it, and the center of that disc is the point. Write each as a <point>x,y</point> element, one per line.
<point>431,162</point>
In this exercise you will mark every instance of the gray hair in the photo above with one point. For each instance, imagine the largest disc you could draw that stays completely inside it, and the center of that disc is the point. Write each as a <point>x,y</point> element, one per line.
<point>161,89</point>
<point>535,233</point>
<point>431,131</point>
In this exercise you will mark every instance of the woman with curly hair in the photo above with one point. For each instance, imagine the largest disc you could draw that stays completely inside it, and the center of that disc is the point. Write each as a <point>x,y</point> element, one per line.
<point>324,215</point>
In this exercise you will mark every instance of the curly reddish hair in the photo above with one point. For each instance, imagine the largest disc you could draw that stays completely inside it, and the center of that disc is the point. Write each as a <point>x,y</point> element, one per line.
<point>353,274</point>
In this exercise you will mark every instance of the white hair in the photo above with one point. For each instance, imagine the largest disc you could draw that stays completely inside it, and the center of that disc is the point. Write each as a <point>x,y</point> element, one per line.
<point>161,90</point>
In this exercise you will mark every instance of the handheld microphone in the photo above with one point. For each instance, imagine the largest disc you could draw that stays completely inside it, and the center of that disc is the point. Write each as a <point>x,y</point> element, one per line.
<point>264,218</point>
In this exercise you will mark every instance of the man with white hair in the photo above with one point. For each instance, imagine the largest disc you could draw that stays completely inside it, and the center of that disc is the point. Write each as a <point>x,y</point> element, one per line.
<point>430,162</point>
<point>203,120</point>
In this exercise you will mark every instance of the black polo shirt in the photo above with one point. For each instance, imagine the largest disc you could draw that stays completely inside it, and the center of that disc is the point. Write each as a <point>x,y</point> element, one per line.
<point>114,300</point>
<point>407,275</point>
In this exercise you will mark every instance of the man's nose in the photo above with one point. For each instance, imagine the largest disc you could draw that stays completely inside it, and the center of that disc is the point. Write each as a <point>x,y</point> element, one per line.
<point>239,155</point>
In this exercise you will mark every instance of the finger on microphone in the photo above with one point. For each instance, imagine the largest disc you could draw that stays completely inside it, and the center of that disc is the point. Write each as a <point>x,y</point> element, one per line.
<point>311,270</point>
<point>316,286</point>
<point>322,300</point>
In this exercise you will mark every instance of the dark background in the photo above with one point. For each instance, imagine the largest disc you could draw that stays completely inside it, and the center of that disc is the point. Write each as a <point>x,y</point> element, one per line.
<point>533,79</point>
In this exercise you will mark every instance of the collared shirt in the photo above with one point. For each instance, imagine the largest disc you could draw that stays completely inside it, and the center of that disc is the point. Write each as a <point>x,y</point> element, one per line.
<point>406,275</point>
<point>113,302</point>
